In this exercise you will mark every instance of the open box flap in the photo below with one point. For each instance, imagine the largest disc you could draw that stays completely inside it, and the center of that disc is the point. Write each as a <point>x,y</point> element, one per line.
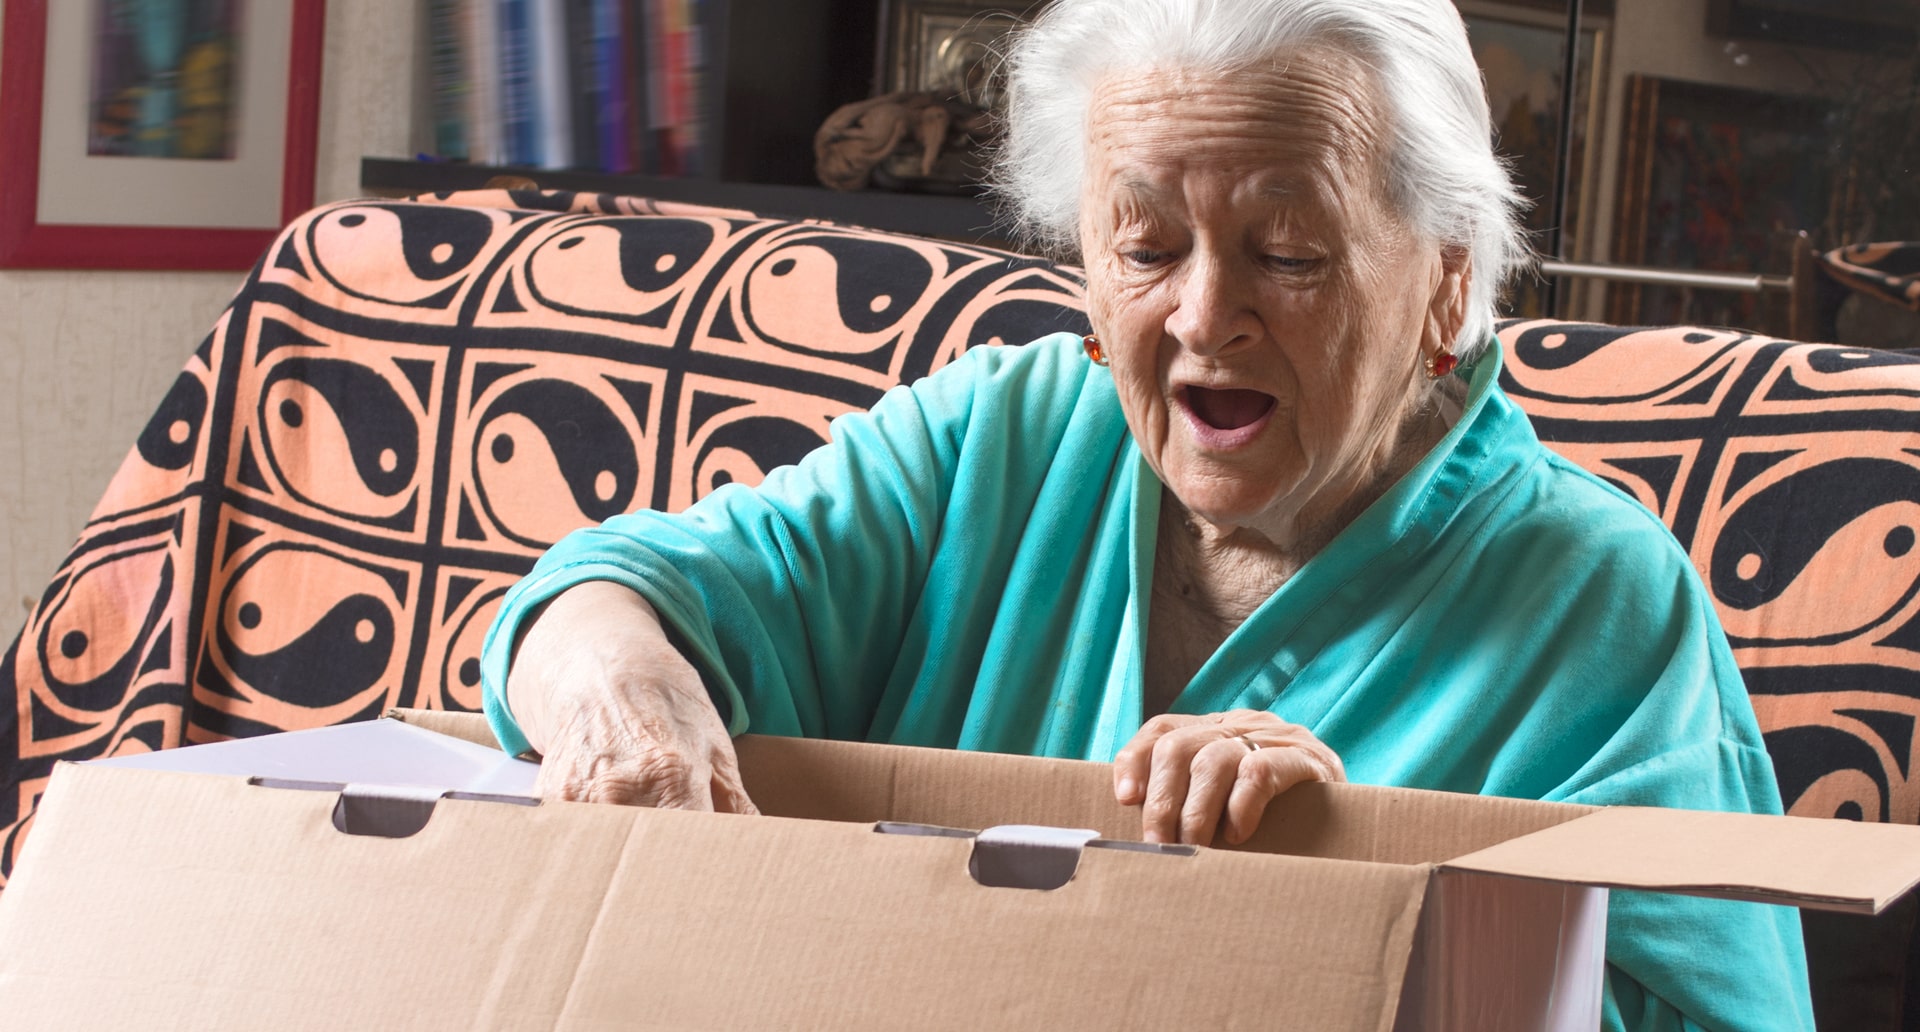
<point>847,781</point>
<point>1823,864</point>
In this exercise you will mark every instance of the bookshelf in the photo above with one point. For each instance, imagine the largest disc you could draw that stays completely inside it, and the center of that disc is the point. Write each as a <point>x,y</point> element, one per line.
<point>963,219</point>
<point>770,72</point>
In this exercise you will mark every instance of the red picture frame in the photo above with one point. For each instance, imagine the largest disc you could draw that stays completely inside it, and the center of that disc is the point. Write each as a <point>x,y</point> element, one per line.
<point>26,242</point>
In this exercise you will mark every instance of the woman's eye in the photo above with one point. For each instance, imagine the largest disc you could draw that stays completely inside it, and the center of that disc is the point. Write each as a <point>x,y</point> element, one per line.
<point>1288,262</point>
<point>1143,258</point>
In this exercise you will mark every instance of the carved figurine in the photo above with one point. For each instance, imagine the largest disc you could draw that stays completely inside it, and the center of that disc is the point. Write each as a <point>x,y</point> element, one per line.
<point>904,140</point>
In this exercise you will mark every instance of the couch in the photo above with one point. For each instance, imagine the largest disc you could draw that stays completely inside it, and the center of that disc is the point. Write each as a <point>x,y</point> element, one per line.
<point>408,400</point>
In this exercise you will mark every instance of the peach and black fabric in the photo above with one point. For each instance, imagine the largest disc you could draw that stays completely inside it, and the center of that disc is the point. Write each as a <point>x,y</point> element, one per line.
<point>1890,271</point>
<point>408,400</point>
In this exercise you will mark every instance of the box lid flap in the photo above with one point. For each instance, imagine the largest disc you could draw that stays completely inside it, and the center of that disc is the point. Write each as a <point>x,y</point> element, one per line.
<point>1824,864</point>
<point>847,781</point>
<point>372,752</point>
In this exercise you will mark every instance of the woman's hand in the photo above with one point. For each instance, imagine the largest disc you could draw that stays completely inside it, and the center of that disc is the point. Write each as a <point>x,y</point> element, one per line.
<point>1195,775</point>
<point>617,714</point>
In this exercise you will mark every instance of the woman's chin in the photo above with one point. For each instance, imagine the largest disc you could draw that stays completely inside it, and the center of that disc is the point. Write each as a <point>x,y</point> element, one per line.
<point>1226,502</point>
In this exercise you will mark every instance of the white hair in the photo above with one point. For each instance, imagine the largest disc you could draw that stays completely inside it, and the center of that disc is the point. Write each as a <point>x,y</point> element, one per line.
<point>1441,171</point>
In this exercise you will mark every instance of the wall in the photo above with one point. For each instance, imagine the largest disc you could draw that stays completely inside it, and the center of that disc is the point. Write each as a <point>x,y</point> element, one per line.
<point>85,356</point>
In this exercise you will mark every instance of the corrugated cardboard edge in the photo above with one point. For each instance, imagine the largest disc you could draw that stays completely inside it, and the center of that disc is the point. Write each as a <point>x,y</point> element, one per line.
<point>1846,866</point>
<point>471,727</point>
<point>856,781</point>
<point>1825,864</point>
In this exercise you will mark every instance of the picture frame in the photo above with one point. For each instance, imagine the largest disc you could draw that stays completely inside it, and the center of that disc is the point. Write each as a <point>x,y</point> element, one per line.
<point>1720,179</point>
<point>69,200</point>
<point>1521,53</point>
<point>951,47</point>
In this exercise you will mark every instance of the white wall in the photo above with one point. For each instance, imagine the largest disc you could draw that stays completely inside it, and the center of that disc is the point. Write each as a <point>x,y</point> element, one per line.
<point>85,356</point>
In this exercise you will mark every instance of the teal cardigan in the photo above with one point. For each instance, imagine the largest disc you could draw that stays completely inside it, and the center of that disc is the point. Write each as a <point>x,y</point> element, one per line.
<point>968,566</point>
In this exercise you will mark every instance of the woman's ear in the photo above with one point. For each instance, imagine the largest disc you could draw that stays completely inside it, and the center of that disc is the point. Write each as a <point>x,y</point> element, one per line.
<point>1447,309</point>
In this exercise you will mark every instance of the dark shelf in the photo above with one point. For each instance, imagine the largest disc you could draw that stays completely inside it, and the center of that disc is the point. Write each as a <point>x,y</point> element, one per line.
<point>965,219</point>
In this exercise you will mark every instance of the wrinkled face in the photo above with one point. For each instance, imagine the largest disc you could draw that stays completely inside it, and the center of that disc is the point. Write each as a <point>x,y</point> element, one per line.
<point>1266,311</point>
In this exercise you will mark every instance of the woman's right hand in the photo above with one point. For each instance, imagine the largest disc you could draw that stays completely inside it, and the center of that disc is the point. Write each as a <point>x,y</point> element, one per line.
<point>616,712</point>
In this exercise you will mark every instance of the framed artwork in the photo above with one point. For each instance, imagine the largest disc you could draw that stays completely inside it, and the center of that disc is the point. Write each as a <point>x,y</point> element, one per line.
<point>1522,53</point>
<point>1719,179</point>
<point>951,47</point>
<point>1557,8</point>
<point>155,134</point>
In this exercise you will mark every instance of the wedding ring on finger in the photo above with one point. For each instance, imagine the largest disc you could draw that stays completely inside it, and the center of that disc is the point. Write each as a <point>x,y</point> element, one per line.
<point>1252,746</point>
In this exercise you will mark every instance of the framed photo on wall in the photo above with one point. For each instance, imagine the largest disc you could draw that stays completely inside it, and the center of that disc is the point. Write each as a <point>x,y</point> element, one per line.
<point>155,134</point>
<point>950,47</point>
<point>1714,178</point>
<point>1522,53</point>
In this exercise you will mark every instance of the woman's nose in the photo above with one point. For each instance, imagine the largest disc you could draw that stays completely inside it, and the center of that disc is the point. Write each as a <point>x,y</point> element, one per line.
<point>1214,310</point>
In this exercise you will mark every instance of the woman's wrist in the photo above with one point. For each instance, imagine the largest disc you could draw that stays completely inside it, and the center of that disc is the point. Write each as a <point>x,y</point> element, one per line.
<point>563,631</point>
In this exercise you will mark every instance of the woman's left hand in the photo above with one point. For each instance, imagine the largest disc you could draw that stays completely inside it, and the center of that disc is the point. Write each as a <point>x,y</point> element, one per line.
<point>1194,776</point>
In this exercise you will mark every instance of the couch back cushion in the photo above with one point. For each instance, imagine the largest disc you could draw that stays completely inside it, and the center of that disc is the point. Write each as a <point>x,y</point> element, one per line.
<point>1791,473</point>
<point>408,401</point>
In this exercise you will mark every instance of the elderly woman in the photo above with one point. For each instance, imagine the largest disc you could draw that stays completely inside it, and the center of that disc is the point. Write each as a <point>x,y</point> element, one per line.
<point>1274,521</point>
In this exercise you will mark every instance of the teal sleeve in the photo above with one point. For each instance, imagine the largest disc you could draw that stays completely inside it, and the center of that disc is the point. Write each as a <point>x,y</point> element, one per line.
<point>1683,962</point>
<point>1685,738</point>
<point>791,598</point>
<point>1628,1007</point>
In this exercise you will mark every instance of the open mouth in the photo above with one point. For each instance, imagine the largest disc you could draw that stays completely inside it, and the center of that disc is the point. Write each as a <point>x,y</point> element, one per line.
<point>1228,409</point>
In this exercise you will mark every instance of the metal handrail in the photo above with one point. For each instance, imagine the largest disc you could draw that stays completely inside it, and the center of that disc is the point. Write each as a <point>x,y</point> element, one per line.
<point>1745,283</point>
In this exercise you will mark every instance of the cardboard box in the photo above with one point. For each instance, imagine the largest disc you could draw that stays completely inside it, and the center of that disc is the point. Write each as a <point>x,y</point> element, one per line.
<point>153,898</point>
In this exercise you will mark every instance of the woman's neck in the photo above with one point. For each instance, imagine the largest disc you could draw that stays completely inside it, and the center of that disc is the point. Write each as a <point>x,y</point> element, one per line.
<point>1208,579</point>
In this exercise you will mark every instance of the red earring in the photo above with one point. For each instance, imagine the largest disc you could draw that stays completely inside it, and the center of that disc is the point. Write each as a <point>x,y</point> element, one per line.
<point>1094,351</point>
<point>1441,364</point>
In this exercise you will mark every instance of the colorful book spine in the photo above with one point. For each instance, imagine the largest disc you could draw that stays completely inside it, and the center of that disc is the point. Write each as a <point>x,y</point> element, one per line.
<point>609,86</point>
<point>447,66</point>
<point>516,83</point>
<point>485,144</point>
<point>678,108</point>
<point>637,46</point>
<point>693,72</point>
<point>583,85</point>
<point>552,90</point>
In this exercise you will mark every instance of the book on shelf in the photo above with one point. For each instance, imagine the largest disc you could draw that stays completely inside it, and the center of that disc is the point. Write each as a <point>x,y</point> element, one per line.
<point>446,66</point>
<point>486,141</point>
<point>552,84</point>
<point>607,105</point>
<point>515,69</point>
<point>599,85</point>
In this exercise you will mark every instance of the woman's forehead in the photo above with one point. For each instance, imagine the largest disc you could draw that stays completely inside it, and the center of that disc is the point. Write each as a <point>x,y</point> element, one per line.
<point>1295,119</point>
